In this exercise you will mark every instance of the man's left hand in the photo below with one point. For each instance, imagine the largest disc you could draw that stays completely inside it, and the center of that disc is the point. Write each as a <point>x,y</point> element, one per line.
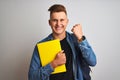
<point>77,31</point>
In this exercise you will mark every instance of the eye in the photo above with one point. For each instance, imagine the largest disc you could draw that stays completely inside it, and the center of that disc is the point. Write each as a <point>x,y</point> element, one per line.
<point>54,20</point>
<point>62,20</point>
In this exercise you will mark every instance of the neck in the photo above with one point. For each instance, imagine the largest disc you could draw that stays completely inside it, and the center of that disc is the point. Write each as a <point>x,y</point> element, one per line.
<point>59,36</point>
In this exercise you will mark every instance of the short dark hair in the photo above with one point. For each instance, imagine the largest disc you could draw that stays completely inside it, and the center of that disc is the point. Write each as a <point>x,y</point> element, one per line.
<point>57,8</point>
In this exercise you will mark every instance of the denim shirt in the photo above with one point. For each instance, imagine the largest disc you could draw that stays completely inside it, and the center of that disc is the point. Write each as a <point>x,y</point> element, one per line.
<point>37,72</point>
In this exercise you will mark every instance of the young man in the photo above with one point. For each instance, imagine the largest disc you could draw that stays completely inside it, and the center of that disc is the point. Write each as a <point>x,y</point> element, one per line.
<point>73,46</point>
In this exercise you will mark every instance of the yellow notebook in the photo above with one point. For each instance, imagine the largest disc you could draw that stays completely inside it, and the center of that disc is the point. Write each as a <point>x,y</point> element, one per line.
<point>47,52</point>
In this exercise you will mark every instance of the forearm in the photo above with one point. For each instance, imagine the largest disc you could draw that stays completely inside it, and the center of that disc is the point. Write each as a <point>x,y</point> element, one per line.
<point>41,73</point>
<point>36,71</point>
<point>87,52</point>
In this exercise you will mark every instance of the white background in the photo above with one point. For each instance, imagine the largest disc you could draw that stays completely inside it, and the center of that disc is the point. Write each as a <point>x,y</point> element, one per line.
<point>24,22</point>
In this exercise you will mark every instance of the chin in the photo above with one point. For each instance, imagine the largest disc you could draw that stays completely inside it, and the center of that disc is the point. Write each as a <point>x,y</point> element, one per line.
<point>59,32</point>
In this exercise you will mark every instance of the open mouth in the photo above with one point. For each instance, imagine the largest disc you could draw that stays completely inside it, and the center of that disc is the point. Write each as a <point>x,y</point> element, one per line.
<point>59,27</point>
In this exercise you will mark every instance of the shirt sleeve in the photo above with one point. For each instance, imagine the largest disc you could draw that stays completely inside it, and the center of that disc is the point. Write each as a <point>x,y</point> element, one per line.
<point>87,52</point>
<point>36,71</point>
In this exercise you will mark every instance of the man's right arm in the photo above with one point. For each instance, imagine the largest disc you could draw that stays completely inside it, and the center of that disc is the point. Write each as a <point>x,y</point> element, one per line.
<point>36,71</point>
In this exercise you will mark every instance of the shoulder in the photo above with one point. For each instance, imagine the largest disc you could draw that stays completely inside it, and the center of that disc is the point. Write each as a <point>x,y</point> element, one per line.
<point>49,37</point>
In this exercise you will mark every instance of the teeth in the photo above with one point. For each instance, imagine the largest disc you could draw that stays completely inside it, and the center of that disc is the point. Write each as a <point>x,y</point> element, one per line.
<point>58,27</point>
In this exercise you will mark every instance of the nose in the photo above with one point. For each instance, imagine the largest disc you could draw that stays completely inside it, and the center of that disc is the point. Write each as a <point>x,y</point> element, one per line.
<point>58,22</point>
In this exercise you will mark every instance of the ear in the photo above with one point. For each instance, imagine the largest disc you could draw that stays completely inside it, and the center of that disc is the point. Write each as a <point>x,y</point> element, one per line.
<point>49,22</point>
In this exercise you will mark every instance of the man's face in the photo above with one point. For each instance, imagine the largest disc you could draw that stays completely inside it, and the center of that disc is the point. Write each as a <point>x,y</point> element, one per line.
<point>58,22</point>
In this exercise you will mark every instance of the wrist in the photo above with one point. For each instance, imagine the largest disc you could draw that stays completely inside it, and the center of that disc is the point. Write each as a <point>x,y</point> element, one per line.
<point>53,64</point>
<point>81,39</point>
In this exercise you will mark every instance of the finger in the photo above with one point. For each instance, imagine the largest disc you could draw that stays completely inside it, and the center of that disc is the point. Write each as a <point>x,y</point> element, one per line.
<point>72,29</point>
<point>77,24</point>
<point>63,56</point>
<point>61,51</point>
